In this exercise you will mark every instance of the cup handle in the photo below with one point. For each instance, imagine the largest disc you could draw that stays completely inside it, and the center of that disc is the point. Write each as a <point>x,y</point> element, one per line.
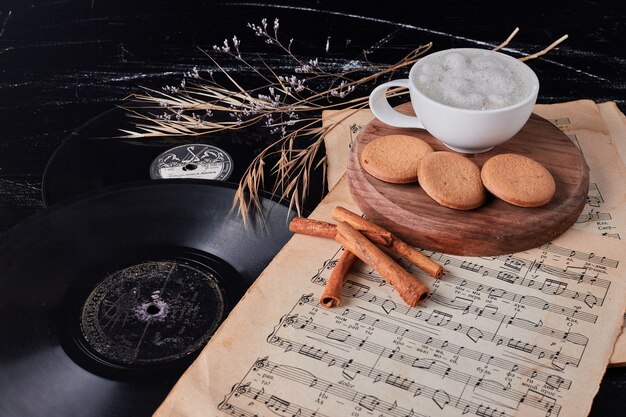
<point>385,113</point>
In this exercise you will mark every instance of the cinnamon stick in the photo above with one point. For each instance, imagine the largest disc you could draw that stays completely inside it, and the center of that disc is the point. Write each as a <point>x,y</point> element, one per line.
<point>306,226</point>
<point>331,296</point>
<point>344,215</point>
<point>423,262</point>
<point>318,228</point>
<point>398,246</point>
<point>409,288</point>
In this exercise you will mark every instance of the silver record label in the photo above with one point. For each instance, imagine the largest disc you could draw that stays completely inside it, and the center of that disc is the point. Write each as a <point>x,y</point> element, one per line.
<point>192,161</point>
<point>153,312</point>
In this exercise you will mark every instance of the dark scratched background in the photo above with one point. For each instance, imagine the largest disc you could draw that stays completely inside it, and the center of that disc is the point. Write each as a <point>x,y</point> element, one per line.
<point>64,62</point>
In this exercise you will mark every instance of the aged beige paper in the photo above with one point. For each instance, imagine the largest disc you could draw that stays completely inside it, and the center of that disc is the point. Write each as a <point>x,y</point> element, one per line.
<point>616,124</point>
<point>605,211</point>
<point>528,334</point>
<point>338,140</point>
<point>618,358</point>
<point>597,129</point>
<point>600,132</point>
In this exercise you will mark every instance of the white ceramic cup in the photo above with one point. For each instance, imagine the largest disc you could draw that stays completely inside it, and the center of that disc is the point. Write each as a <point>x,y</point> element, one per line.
<point>462,130</point>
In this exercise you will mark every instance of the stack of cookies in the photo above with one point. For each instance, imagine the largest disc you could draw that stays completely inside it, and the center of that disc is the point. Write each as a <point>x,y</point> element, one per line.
<point>453,180</point>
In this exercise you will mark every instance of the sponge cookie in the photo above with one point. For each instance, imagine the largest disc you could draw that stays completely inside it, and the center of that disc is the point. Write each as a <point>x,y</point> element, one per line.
<point>518,180</point>
<point>394,158</point>
<point>452,180</point>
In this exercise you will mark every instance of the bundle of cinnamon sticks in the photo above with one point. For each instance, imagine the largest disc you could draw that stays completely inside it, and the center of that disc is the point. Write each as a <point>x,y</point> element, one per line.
<point>359,237</point>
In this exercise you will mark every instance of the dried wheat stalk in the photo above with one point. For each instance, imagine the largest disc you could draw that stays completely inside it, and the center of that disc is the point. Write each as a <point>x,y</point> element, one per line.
<point>288,105</point>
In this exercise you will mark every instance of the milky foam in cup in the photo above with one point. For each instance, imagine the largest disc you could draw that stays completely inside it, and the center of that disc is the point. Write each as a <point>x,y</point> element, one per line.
<point>470,99</point>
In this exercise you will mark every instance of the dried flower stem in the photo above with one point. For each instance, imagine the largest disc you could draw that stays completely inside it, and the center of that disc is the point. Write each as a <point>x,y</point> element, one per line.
<point>506,42</point>
<point>544,51</point>
<point>288,104</point>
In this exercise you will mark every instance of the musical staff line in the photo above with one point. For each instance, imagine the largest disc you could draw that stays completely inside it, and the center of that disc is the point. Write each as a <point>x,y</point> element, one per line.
<point>492,314</point>
<point>545,286</point>
<point>351,369</point>
<point>588,257</point>
<point>373,403</point>
<point>444,345</point>
<point>507,335</point>
<point>496,292</point>
<point>540,352</point>
<point>580,278</point>
<point>271,401</point>
<point>531,301</point>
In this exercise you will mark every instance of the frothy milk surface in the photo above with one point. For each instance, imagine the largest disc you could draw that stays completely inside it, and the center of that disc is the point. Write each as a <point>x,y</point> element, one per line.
<point>477,80</point>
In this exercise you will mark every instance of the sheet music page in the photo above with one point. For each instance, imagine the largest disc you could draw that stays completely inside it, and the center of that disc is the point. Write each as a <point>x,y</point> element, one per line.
<point>598,130</point>
<point>605,211</point>
<point>615,121</point>
<point>528,334</point>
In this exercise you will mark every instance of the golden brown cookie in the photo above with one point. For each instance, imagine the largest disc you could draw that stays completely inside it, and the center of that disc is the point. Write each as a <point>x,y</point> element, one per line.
<point>452,180</point>
<point>394,158</point>
<point>518,180</point>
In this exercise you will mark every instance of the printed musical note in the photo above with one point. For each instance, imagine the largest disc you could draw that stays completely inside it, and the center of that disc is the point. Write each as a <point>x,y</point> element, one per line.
<point>277,404</point>
<point>388,306</point>
<point>487,411</point>
<point>355,289</point>
<point>348,372</point>
<point>506,277</point>
<point>340,335</point>
<point>311,352</point>
<point>553,286</point>
<point>399,382</point>
<point>423,363</point>
<point>474,334</point>
<point>527,316</point>
<point>591,300</point>
<point>461,303</point>
<point>488,310</point>
<point>514,263</point>
<point>471,266</point>
<point>439,318</point>
<point>519,345</point>
<point>497,292</point>
<point>369,402</point>
<point>441,398</point>
<point>554,381</point>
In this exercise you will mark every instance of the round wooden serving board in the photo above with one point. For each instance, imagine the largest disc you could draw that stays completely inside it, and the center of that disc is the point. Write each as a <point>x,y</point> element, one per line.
<point>497,227</point>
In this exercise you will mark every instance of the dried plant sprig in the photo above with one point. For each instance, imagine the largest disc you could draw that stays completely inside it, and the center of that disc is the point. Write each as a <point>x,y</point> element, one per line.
<point>545,50</point>
<point>507,40</point>
<point>289,104</point>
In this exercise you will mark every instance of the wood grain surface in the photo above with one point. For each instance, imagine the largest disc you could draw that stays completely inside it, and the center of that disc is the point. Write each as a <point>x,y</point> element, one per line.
<point>495,228</point>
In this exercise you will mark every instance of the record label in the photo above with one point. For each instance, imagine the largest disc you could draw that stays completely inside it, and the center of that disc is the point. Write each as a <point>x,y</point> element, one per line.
<point>156,266</point>
<point>192,161</point>
<point>152,312</point>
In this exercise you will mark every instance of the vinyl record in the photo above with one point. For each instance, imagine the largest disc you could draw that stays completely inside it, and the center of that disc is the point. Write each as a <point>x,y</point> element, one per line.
<point>107,299</point>
<point>96,156</point>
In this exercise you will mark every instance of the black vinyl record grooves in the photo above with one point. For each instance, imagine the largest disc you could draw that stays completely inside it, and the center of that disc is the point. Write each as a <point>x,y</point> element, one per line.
<point>96,156</point>
<point>106,300</point>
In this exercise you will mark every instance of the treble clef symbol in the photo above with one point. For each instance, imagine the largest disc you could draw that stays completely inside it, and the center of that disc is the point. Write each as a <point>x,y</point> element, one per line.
<point>306,298</point>
<point>290,320</point>
<point>260,363</point>
<point>242,389</point>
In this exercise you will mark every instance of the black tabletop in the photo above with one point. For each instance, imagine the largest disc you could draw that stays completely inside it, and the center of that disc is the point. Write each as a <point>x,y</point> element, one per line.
<point>64,62</point>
